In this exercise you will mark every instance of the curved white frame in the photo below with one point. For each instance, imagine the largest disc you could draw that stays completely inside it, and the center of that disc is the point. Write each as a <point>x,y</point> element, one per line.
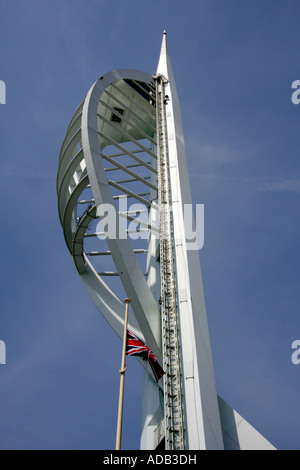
<point>83,142</point>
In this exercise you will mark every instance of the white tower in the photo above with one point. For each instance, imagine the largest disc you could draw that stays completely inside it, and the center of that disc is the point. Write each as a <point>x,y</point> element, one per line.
<point>123,192</point>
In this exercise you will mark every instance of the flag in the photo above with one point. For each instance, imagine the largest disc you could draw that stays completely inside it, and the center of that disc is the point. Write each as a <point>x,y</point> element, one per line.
<point>136,347</point>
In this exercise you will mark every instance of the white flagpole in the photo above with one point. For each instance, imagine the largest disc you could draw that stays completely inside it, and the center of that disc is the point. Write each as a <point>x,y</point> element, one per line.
<point>122,379</point>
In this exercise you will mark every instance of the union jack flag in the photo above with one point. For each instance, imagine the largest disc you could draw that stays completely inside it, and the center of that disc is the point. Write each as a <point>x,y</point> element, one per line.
<point>136,347</point>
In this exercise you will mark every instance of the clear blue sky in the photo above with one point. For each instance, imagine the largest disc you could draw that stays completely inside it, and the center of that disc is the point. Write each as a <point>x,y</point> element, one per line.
<point>234,63</point>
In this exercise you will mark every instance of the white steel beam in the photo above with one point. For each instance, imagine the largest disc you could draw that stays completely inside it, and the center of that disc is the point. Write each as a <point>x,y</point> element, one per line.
<point>202,419</point>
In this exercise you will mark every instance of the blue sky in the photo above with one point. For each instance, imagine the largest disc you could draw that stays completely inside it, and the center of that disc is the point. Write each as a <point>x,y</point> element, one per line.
<point>234,63</point>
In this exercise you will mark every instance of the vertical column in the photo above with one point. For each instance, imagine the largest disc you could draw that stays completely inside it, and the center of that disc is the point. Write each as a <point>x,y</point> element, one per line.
<point>174,427</point>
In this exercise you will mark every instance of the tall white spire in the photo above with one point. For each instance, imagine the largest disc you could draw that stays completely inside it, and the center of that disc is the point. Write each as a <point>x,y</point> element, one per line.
<point>164,63</point>
<point>204,413</point>
<point>164,66</point>
<point>202,420</point>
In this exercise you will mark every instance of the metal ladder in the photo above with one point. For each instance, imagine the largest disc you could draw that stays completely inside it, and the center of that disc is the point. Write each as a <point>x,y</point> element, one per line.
<point>174,428</point>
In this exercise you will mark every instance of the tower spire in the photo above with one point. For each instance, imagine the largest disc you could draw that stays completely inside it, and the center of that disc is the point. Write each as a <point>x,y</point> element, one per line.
<point>164,63</point>
<point>196,382</point>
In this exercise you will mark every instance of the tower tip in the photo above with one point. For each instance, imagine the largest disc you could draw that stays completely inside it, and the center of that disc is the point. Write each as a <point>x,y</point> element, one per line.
<point>164,56</point>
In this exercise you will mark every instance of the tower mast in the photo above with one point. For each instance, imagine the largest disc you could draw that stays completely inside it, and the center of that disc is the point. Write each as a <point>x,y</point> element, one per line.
<point>173,412</point>
<point>190,399</point>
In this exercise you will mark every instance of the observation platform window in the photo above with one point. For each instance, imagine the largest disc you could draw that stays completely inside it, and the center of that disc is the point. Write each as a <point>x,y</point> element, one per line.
<point>114,116</point>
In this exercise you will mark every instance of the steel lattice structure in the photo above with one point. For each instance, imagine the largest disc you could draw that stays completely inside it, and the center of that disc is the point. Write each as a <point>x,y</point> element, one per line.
<point>124,152</point>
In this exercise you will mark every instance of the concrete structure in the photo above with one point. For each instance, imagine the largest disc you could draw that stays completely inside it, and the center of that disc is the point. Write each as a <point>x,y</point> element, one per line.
<point>123,187</point>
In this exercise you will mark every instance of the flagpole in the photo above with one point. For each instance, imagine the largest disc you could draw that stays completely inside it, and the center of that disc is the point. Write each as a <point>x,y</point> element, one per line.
<point>122,379</point>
